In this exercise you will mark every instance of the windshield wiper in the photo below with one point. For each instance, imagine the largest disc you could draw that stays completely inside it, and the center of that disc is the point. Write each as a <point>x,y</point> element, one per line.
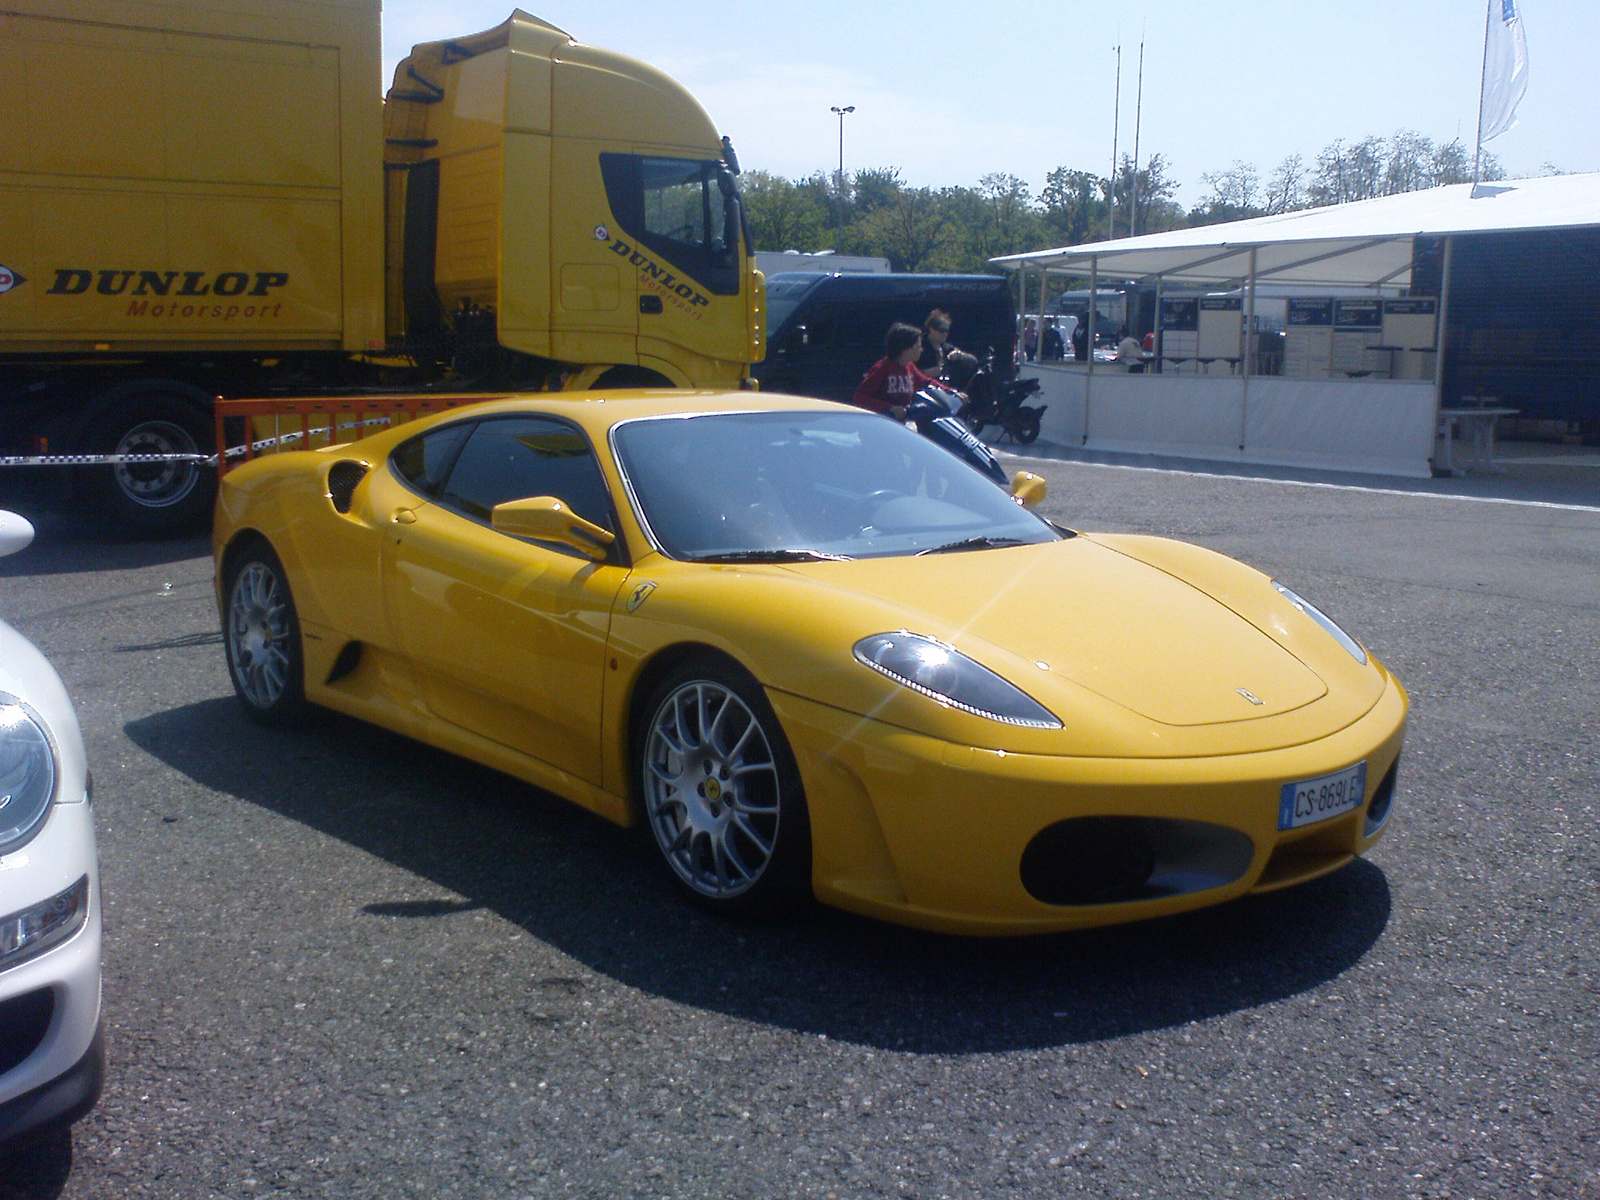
<point>771,556</point>
<point>982,542</point>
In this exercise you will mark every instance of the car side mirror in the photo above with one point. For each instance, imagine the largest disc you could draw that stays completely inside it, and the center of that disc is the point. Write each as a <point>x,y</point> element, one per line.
<point>799,338</point>
<point>1027,489</point>
<point>16,533</point>
<point>546,519</point>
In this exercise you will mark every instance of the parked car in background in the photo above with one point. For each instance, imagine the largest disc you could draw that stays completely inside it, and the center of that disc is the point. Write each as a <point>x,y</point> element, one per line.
<point>52,1055</point>
<point>824,331</point>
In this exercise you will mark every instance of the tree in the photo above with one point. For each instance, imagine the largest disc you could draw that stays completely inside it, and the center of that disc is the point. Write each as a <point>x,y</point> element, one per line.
<point>1237,186</point>
<point>1074,206</point>
<point>1409,167</point>
<point>1286,190</point>
<point>909,232</point>
<point>1150,204</point>
<point>874,189</point>
<point>1235,195</point>
<point>780,215</point>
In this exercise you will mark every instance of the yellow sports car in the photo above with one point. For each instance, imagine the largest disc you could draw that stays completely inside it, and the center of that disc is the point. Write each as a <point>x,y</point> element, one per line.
<point>810,650</point>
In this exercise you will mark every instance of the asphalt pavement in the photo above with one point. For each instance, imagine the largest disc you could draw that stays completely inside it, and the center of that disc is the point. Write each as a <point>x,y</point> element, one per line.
<point>342,964</point>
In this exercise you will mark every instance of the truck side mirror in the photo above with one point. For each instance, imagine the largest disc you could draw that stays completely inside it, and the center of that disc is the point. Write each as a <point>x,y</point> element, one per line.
<point>799,338</point>
<point>546,519</point>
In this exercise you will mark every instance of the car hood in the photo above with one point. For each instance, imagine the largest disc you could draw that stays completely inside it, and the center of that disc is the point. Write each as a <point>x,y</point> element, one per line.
<point>1083,612</point>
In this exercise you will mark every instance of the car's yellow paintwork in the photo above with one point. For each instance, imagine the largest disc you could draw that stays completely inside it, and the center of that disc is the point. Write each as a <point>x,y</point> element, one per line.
<point>531,660</point>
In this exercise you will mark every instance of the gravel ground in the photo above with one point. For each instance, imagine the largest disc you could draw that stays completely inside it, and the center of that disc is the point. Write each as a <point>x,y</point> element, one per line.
<point>338,963</point>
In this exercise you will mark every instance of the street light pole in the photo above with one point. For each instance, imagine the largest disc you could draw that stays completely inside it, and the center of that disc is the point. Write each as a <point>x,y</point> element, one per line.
<point>848,108</point>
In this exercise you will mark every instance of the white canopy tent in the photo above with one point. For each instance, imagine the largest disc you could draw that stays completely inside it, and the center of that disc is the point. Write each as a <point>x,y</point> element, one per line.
<point>1366,244</point>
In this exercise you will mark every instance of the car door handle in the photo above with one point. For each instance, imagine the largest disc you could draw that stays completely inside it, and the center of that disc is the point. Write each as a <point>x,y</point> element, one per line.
<point>405,516</point>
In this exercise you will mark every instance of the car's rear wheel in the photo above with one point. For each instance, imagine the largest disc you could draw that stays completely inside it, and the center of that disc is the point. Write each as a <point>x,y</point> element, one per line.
<point>262,634</point>
<point>720,791</point>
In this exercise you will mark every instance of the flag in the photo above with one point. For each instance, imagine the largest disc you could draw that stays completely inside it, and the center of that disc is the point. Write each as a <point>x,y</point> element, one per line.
<point>1505,70</point>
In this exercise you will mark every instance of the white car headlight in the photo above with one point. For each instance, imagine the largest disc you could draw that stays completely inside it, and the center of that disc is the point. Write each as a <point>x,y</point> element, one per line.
<point>943,673</point>
<point>1327,622</point>
<point>27,773</point>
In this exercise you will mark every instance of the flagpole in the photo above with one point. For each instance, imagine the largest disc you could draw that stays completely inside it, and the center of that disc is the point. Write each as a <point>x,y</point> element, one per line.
<point>1483,79</point>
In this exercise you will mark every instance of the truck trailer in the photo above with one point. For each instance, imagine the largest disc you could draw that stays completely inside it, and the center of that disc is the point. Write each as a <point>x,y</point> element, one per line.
<point>206,198</point>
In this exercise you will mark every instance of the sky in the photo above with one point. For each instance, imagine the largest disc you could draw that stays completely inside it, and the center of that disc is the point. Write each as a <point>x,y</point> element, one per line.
<point>946,93</point>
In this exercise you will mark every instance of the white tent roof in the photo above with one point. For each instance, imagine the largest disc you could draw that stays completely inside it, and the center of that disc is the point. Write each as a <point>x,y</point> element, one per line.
<point>1362,244</point>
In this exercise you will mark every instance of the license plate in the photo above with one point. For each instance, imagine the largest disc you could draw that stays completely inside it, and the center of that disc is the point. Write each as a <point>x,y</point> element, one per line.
<point>1313,800</point>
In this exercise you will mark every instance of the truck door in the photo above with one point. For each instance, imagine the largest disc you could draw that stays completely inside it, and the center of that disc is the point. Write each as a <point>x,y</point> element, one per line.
<point>594,286</point>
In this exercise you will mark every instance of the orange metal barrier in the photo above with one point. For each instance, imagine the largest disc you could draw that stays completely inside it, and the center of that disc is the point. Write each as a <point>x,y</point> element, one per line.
<point>307,423</point>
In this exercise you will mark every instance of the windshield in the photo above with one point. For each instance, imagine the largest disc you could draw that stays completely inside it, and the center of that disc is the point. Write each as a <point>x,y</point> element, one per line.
<point>684,209</point>
<point>782,486</point>
<point>784,293</point>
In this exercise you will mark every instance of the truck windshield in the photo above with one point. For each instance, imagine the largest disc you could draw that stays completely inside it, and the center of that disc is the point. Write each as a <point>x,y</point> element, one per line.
<point>685,209</point>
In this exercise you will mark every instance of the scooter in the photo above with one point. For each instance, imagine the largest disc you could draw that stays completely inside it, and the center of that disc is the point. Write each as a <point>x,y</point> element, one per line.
<point>992,402</point>
<point>933,412</point>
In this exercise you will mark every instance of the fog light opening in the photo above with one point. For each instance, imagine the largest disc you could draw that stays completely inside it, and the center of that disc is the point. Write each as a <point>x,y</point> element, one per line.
<point>1382,801</point>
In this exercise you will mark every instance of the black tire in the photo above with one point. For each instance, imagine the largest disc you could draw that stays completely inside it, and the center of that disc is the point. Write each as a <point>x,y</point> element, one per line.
<point>160,499</point>
<point>1027,431</point>
<point>261,634</point>
<point>719,791</point>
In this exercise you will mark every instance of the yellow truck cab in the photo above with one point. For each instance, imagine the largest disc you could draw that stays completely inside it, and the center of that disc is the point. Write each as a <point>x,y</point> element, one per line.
<point>203,198</point>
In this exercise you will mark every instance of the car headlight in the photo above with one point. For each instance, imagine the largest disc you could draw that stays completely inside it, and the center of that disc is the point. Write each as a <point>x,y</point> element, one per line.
<point>27,773</point>
<point>943,673</point>
<point>49,923</point>
<point>1323,619</point>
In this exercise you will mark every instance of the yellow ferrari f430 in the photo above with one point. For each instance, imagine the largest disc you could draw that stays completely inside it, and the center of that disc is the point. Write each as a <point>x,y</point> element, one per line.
<point>811,651</point>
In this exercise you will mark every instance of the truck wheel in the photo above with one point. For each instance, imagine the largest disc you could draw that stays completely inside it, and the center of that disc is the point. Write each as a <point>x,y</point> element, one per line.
<point>157,498</point>
<point>631,377</point>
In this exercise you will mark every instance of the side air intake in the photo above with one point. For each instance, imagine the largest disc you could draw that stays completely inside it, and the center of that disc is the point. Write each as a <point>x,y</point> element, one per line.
<point>343,477</point>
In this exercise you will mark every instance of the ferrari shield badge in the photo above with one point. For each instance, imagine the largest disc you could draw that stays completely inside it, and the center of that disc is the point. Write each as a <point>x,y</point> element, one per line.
<point>640,595</point>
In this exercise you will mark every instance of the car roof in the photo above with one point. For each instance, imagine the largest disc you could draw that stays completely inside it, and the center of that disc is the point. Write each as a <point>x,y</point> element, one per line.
<point>597,412</point>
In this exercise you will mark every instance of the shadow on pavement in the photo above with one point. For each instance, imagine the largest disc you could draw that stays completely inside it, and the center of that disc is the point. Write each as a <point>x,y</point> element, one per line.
<point>67,544</point>
<point>36,1168</point>
<point>582,886</point>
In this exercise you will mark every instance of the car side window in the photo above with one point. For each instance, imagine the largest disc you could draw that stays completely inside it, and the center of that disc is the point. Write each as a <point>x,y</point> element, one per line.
<point>424,461</point>
<point>515,458</point>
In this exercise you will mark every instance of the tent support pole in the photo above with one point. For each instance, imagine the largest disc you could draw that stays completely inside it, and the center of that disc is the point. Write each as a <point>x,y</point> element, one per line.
<point>1439,331</point>
<point>1094,304</point>
<point>1155,342</point>
<point>1044,279</point>
<point>1248,358</point>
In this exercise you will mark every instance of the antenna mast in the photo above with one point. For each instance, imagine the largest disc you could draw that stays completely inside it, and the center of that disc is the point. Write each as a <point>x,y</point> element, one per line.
<point>1138,116</point>
<point>1116,116</point>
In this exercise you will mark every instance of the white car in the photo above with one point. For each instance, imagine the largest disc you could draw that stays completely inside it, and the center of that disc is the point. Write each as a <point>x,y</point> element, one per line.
<point>52,1054</point>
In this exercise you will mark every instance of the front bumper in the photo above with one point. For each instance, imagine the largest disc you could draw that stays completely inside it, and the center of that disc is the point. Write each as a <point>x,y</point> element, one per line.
<point>62,1100</point>
<point>49,1070</point>
<point>910,829</point>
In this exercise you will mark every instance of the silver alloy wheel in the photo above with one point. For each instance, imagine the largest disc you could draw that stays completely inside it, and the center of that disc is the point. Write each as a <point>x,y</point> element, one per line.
<point>260,627</point>
<point>157,484</point>
<point>711,789</point>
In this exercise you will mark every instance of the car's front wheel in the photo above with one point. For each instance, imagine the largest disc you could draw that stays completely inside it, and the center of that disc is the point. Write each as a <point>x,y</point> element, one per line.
<point>262,634</point>
<point>720,791</point>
